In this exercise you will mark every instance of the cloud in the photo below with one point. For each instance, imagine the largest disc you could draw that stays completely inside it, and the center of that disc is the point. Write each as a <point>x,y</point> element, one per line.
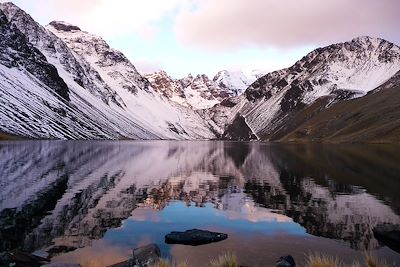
<point>111,18</point>
<point>232,24</point>
<point>145,66</point>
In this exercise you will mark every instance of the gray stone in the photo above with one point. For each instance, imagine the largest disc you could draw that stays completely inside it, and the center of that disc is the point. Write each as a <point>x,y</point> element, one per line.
<point>389,235</point>
<point>285,261</point>
<point>146,255</point>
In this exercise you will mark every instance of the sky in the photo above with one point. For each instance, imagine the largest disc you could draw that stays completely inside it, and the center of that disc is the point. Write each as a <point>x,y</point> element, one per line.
<point>206,36</point>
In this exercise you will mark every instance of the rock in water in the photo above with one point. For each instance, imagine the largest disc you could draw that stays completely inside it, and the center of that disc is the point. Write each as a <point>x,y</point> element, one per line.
<point>285,261</point>
<point>389,235</point>
<point>144,256</point>
<point>194,237</point>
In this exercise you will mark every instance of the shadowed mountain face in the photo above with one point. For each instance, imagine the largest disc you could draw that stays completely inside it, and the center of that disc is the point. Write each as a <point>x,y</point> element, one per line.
<point>60,196</point>
<point>17,52</point>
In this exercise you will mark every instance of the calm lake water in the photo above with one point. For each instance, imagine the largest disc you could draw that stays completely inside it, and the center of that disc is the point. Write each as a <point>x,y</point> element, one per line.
<point>92,202</point>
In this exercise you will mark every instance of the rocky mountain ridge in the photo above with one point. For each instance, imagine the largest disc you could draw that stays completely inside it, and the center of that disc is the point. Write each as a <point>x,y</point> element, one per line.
<point>200,92</point>
<point>107,97</point>
<point>340,72</point>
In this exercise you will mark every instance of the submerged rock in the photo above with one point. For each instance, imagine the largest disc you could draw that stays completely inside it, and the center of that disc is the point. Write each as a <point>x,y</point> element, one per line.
<point>389,235</point>
<point>194,237</point>
<point>286,261</point>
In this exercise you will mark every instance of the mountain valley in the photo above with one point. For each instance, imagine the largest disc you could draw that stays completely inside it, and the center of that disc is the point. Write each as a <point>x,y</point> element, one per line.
<point>60,82</point>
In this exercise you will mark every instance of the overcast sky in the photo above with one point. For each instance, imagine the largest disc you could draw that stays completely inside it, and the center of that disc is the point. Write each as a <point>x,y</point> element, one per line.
<point>204,36</point>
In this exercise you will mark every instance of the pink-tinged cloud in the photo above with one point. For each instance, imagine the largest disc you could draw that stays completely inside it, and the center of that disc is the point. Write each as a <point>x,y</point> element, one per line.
<point>145,66</point>
<point>110,18</point>
<point>230,24</point>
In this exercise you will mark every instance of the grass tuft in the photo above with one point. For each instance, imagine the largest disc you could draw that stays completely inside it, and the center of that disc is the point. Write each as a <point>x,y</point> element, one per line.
<point>167,263</point>
<point>372,261</point>
<point>318,260</point>
<point>226,260</point>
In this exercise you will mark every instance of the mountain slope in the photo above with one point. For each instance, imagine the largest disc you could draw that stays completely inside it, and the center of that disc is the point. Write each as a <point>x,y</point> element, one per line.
<point>340,71</point>
<point>142,103</point>
<point>372,118</point>
<point>36,102</point>
<point>18,53</point>
<point>102,96</point>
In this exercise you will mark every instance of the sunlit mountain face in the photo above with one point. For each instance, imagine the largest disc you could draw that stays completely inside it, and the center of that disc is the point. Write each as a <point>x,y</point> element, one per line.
<point>76,200</point>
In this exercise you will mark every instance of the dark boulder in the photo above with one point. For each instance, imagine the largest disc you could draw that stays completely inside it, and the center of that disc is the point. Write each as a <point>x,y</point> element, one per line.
<point>194,237</point>
<point>144,256</point>
<point>285,261</point>
<point>60,249</point>
<point>389,235</point>
<point>21,259</point>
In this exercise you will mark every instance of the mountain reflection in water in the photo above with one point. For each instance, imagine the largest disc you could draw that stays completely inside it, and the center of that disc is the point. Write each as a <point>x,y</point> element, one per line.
<point>61,196</point>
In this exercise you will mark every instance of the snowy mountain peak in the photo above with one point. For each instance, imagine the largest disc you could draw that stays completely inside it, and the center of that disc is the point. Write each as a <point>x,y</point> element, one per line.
<point>199,91</point>
<point>234,81</point>
<point>339,71</point>
<point>10,8</point>
<point>112,65</point>
<point>61,82</point>
<point>17,53</point>
<point>64,26</point>
<point>367,40</point>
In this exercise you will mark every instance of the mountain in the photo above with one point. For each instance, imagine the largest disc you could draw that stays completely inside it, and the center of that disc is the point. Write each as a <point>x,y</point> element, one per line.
<point>372,118</point>
<point>194,92</point>
<point>200,92</point>
<point>334,73</point>
<point>61,82</point>
<point>234,82</point>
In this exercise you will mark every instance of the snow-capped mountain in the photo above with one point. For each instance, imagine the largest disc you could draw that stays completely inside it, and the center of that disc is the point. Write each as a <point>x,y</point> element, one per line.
<point>200,92</point>
<point>234,82</point>
<point>340,71</point>
<point>90,90</point>
<point>61,82</point>
<point>197,92</point>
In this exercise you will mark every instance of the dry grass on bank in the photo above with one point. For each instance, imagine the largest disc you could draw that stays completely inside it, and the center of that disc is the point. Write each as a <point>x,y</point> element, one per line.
<point>313,260</point>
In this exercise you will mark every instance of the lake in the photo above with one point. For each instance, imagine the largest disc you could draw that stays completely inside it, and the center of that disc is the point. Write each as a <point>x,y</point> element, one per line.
<point>91,202</point>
